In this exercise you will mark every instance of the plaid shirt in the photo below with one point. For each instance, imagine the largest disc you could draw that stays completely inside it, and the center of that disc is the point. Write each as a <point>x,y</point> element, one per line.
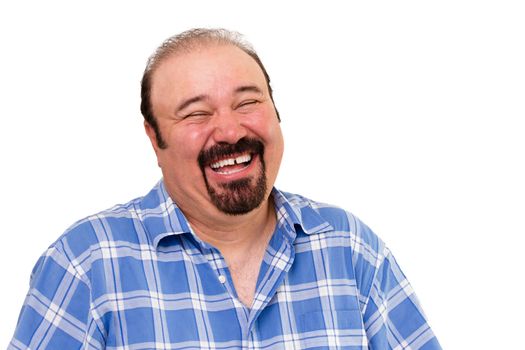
<point>137,277</point>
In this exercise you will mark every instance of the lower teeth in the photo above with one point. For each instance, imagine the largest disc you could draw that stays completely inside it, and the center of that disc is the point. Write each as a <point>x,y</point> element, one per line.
<point>227,172</point>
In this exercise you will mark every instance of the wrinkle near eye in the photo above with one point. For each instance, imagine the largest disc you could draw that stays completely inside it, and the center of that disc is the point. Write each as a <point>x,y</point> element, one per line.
<point>247,103</point>
<point>247,107</point>
<point>197,114</point>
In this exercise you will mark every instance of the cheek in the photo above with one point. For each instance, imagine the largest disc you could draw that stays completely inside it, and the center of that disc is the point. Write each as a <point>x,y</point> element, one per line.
<point>264,123</point>
<point>270,133</point>
<point>188,142</point>
<point>277,149</point>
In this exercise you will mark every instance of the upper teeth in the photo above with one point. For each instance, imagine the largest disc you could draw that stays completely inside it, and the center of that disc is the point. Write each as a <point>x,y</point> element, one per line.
<point>231,161</point>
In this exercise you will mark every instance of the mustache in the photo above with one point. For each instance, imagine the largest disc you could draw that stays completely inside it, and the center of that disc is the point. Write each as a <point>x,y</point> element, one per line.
<point>224,150</point>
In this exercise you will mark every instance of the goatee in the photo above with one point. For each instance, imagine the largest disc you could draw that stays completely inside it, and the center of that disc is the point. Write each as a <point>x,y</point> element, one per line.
<point>239,196</point>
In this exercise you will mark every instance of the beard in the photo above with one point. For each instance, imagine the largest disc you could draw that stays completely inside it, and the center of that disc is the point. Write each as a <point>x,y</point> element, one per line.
<point>239,196</point>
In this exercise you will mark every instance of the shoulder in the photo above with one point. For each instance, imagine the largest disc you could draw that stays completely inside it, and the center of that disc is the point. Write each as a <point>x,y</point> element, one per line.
<point>342,233</point>
<point>338,219</point>
<point>100,230</point>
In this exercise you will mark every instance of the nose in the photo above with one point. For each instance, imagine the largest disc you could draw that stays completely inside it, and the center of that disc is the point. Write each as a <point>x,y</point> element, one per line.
<point>228,127</point>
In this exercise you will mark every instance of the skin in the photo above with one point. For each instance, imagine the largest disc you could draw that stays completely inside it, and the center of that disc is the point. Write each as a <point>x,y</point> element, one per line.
<point>210,95</point>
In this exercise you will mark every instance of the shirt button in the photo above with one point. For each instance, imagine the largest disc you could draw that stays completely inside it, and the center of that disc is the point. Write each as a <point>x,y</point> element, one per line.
<point>222,278</point>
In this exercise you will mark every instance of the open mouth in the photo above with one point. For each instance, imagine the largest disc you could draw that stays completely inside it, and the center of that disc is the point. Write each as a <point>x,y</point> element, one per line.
<point>228,162</point>
<point>232,164</point>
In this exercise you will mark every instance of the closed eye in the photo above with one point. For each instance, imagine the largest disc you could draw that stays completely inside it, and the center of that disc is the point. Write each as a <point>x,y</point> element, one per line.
<point>247,103</point>
<point>197,114</point>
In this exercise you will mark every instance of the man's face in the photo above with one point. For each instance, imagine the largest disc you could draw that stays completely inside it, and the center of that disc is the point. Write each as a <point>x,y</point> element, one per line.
<point>224,140</point>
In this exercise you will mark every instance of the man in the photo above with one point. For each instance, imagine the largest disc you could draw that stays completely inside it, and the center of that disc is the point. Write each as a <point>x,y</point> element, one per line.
<point>214,257</point>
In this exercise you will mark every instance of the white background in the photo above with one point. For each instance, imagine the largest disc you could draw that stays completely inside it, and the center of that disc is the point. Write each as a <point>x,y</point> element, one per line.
<point>407,113</point>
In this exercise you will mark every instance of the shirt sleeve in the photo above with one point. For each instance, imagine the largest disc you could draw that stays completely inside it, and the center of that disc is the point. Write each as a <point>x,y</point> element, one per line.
<point>393,317</point>
<point>56,311</point>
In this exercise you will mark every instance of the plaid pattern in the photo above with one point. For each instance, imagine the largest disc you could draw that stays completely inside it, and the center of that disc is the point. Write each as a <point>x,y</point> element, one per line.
<point>136,277</point>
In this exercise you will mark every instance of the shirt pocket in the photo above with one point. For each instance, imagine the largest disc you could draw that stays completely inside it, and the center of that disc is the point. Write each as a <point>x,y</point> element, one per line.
<point>332,329</point>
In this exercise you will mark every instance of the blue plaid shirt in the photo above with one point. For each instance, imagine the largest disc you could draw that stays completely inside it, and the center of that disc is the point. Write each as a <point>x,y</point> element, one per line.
<point>137,277</point>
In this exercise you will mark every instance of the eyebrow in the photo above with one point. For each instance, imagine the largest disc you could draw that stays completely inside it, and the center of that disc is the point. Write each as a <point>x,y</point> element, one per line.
<point>248,88</point>
<point>189,101</point>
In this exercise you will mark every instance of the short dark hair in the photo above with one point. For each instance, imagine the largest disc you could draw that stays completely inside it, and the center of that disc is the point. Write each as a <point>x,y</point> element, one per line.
<point>186,42</point>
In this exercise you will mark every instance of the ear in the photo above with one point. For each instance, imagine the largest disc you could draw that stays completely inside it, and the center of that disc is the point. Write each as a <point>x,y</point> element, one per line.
<point>153,139</point>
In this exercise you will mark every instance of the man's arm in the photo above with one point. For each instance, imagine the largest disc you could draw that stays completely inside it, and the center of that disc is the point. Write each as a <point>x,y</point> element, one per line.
<point>56,312</point>
<point>392,316</point>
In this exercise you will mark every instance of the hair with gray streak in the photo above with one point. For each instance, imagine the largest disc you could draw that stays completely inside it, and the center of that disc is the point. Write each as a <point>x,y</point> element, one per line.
<point>186,42</point>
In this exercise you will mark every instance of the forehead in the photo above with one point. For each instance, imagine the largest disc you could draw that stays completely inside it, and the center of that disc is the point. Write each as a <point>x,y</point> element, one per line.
<point>207,69</point>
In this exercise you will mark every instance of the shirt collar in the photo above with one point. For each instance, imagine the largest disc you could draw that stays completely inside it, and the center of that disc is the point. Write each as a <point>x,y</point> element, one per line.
<point>299,212</point>
<point>162,217</point>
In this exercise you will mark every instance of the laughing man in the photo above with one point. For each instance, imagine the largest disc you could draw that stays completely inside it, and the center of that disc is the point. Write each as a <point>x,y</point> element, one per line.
<point>215,257</point>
